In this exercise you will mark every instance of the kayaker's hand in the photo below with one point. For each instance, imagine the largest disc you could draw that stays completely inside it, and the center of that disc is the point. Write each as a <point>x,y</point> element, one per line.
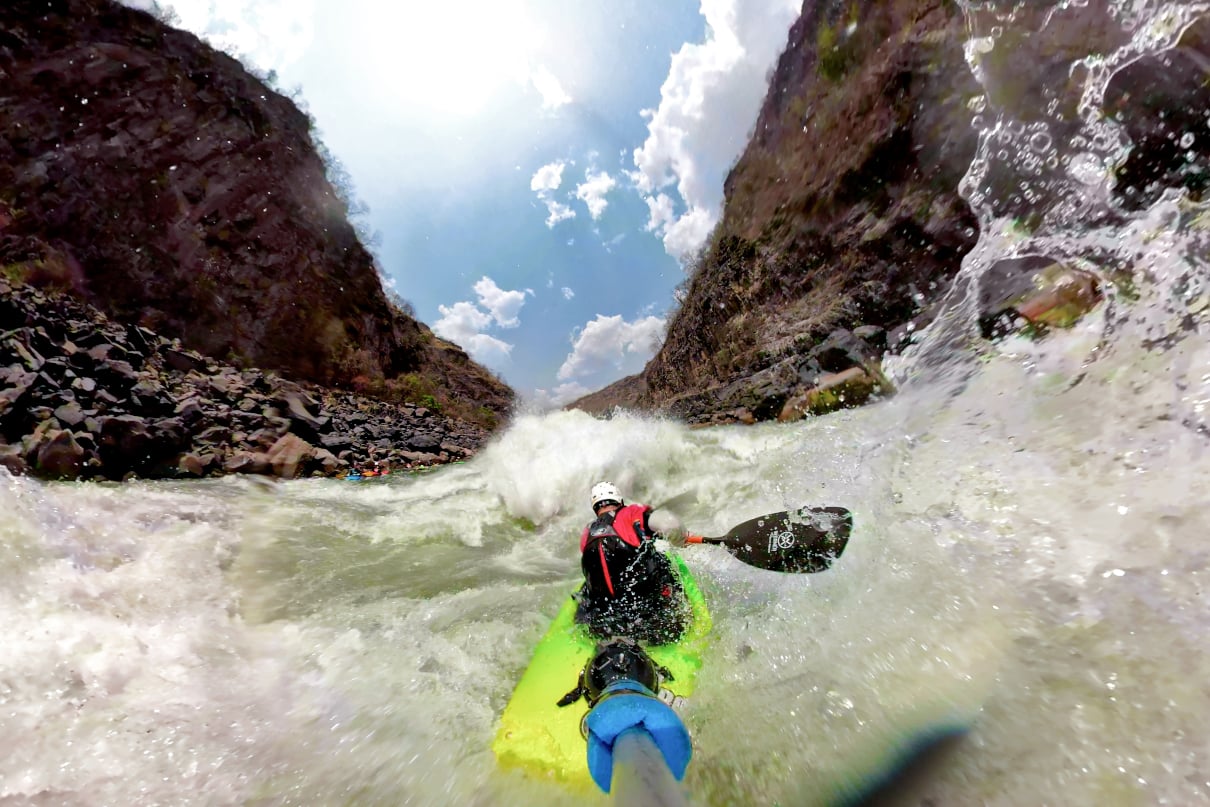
<point>675,536</point>
<point>664,523</point>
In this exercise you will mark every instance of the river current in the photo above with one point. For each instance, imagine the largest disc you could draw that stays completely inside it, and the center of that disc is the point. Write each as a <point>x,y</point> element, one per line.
<point>1024,590</point>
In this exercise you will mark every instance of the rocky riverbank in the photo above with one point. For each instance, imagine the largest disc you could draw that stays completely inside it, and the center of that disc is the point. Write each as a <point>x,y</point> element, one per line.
<point>84,397</point>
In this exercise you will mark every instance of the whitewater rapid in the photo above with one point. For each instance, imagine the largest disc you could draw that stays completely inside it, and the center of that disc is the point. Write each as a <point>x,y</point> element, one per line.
<point>1026,575</point>
<point>1027,565</point>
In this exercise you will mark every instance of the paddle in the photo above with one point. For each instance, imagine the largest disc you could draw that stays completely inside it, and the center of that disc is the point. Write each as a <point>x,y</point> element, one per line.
<point>806,540</point>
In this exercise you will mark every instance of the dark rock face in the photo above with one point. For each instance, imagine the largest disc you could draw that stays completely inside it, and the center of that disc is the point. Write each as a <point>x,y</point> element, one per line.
<point>84,397</point>
<point>156,179</point>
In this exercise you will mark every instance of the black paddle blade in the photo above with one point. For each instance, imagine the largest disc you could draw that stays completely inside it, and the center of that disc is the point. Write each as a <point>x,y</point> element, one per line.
<point>805,540</point>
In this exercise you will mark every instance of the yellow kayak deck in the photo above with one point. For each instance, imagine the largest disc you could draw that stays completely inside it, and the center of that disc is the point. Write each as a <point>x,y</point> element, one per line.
<point>544,739</point>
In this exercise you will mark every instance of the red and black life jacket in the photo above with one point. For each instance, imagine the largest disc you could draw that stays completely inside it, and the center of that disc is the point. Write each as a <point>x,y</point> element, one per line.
<point>619,559</point>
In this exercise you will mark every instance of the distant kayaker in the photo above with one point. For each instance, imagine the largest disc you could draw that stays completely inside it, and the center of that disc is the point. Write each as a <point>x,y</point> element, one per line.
<point>630,588</point>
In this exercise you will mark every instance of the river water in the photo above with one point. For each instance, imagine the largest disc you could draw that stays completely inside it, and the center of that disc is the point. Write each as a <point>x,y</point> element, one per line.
<point>1024,588</point>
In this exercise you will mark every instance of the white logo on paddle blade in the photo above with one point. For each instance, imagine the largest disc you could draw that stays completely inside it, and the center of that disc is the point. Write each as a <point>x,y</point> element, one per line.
<point>779,541</point>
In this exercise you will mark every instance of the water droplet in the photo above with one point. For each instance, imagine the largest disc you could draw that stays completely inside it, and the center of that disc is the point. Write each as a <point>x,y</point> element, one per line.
<point>1187,140</point>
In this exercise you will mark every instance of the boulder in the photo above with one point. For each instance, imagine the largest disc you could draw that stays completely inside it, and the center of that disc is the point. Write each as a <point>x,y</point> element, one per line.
<point>329,464</point>
<point>840,351</point>
<point>196,465</point>
<point>844,390</point>
<point>10,458</point>
<point>84,384</point>
<point>118,374</point>
<point>423,442</point>
<point>184,360</point>
<point>70,414</point>
<point>59,456</point>
<point>419,457</point>
<point>18,382</point>
<point>126,443</point>
<point>248,462</point>
<point>1035,293</point>
<point>289,454</point>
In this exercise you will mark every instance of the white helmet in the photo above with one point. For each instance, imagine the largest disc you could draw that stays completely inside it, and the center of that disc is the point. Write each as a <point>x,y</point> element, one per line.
<point>605,492</point>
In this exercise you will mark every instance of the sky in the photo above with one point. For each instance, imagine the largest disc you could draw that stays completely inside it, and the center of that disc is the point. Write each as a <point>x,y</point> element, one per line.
<point>536,172</point>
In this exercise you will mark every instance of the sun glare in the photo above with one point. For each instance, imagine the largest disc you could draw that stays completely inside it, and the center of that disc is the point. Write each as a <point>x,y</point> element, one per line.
<point>450,57</point>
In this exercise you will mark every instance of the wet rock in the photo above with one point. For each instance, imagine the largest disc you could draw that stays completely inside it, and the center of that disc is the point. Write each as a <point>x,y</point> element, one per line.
<point>840,351</point>
<point>1035,293</point>
<point>11,458</point>
<point>872,336</point>
<point>844,390</point>
<point>762,393</point>
<point>59,456</point>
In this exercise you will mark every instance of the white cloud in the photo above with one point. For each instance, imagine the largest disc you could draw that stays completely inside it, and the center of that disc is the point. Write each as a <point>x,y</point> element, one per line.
<point>502,305</point>
<point>560,396</point>
<point>684,236</point>
<point>557,212</point>
<point>708,104</point>
<point>568,293</point>
<point>592,191</point>
<point>661,210</point>
<point>464,323</point>
<point>547,178</point>
<point>545,181</point>
<point>552,92</point>
<point>606,341</point>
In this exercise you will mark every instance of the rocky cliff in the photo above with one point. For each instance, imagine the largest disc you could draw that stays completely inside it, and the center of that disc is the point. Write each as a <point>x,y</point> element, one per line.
<point>842,220</point>
<point>842,212</point>
<point>155,178</point>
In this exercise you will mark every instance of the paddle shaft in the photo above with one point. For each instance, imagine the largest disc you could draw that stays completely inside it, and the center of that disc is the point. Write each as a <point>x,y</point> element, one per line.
<point>640,776</point>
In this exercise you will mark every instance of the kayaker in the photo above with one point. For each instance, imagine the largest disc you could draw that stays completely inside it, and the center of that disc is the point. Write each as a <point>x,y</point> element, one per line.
<point>630,588</point>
